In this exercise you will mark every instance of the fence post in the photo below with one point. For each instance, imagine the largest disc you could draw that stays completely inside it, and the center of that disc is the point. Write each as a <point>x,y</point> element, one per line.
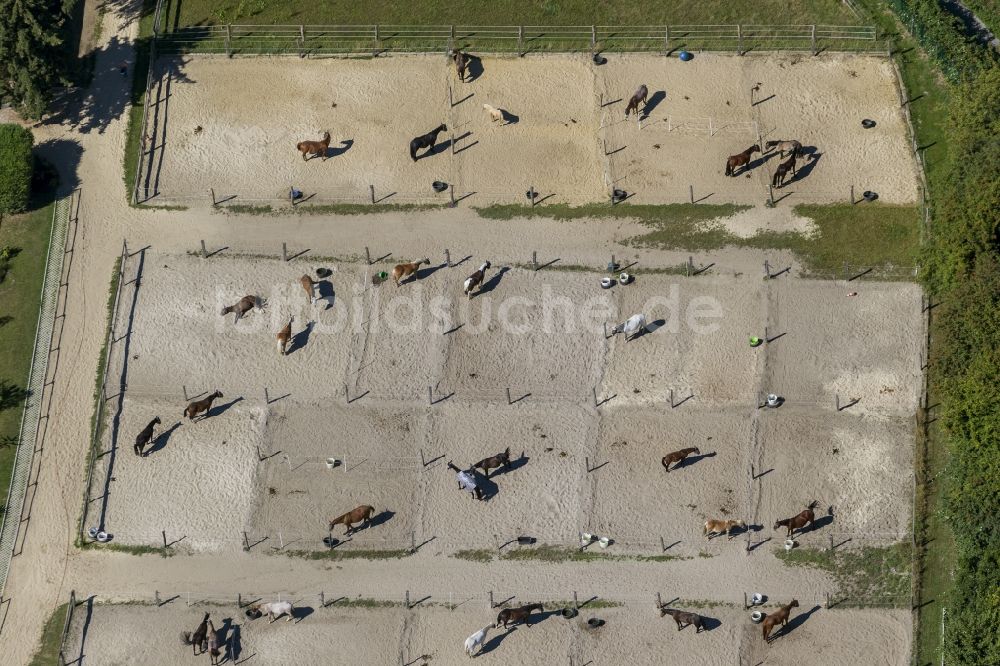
<point>852,195</point>
<point>508,395</point>
<point>520,41</point>
<point>229,37</point>
<point>368,256</point>
<point>447,258</point>
<point>371,191</point>
<point>739,40</point>
<point>407,600</point>
<point>813,39</point>
<point>204,255</point>
<point>284,251</point>
<point>211,191</point>
<point>451,191</point>
<point>691,192</point>
<point>164,532</point>
<point>302,41</point>
<point>534,260</point>
<point>770,194</point>
<point>593,38</point>
<point>375,45</point>
<point>666,40</point>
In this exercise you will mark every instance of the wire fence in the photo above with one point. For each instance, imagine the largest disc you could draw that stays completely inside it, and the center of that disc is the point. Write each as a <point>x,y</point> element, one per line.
<point>70,609</point>
<point>333,40</point>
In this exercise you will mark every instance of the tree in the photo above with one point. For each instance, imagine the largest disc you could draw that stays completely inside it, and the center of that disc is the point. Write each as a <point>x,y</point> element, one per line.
<point>16,165</point>
<point>32,62</point>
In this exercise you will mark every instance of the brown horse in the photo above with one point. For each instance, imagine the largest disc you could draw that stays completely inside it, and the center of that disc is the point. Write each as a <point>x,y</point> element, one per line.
<point>780,615</point>
<point>500,459</point>
<point>798,521</point>
<point>362,514</point>
<point>678,457</point>
<point>461,61</point>
<point>197,640</point>
<point>783,169</point>
<point>403,271</point>
<point>740,160</point>
<point>203,405</point>
<point>314,147</point>
<point>515,615</point>
<point>684,619</point>
<point>633,103</point>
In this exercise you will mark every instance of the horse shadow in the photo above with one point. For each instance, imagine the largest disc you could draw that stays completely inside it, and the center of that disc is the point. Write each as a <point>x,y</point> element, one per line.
<point>380,519</point>
<point>514,465</point>
<point>653,102</point>
<point>489,488</point>
<point>220,409</point>
<point>760,161</point>
<point>234,647</point>
<point>492,283</point>
<point>710,623</point>
<point>495,642</point>
<point>336,151</point>
<point>474,69</point>
<point>325,292</point>
<point>818,524</point>
<point>691,460</point>
<point>809,165</point>
<point>794,623</point>
<point>509,118</point>
<point>300,339</point>
<point>300,613</point>
<point>160,441</point>
<point>422,273</point>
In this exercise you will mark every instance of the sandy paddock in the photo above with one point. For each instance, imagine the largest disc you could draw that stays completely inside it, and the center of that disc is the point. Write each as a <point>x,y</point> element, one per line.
<point>253,111</point>
<point>119,634</point>
<point>541,334</point>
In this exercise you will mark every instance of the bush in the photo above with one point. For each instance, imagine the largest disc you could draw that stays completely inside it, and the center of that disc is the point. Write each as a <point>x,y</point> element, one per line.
<point>962,270</point>
<point>15,168</point>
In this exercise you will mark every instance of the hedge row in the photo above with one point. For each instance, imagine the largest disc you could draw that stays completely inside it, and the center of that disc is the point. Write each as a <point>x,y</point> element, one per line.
<point>963,272</point>
<point>942,35</point>
<point>15,168</point>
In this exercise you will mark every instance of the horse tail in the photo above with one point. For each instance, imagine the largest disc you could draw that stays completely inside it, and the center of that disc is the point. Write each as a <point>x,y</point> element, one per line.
<point>413,150</point>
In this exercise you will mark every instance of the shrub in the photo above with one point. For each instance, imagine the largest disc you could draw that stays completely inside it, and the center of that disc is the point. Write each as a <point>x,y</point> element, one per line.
<point>15,168</point>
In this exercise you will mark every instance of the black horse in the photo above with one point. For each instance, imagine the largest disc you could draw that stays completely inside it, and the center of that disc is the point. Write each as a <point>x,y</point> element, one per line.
<point>426,141</point>
<point>783,169</point>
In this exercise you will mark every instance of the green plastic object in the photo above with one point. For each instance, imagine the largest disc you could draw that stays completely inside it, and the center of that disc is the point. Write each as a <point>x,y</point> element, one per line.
<point>755,341</point>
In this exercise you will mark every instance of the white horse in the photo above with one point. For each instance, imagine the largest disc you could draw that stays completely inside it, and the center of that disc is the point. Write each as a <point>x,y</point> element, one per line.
<point>633,326</point>
<point>475,641</point>
<point>276,609</point>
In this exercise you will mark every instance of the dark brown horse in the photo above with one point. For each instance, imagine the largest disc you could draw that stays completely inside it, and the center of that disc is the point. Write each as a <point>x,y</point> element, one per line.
<point>515,615</point>
<point>145,436</point>
<point>741,160</point>
<point>684,619</point>
<point>678,457</point>
<point>798,521</point>
<point>426,141</point>
<point>203,405</point>
<point>778,616</point>
<point>362,514</point>
<point>461,61</point>
<point>308,148</point>
<point>783,169</point>
<point>197,640</point>
<point>500,459</point>
<point>633,103</point>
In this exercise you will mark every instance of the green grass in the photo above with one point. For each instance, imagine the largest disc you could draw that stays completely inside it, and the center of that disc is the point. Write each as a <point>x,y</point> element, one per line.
<point>336,554</point>
<point>327,209</point>
<point>20,298</point>
<point>133,137</point>
<point>364,603</point>
<point>47,653</point>
<point>869,576</point>
<point>547,553</point>
<point>475,555</point>
<point>129,549</point>
<point>507,12</point>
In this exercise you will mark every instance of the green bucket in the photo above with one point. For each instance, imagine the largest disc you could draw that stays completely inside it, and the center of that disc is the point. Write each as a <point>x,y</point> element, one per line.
<point>755,341</point>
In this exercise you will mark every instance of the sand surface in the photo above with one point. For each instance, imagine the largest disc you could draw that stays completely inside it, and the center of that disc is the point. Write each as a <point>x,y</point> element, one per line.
<point>232,126</point>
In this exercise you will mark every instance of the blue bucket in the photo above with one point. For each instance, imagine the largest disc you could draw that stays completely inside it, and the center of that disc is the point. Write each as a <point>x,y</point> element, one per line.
<point>685,56</point>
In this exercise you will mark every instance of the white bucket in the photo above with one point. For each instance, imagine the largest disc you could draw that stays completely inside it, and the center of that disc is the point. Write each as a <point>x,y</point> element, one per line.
<point>789,544</point>
<point>331,463</point>
<point>757,598</point>
<point>606,283</point>
<point>604,542</point>
<point>586,538</point>
<point>624,278</point>
<point>93,532</point>
<point>102,536</point>
<point>772,400</point>
<point>756,617</point>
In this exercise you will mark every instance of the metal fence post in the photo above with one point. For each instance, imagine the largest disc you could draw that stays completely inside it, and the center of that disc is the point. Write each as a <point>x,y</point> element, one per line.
<point>666,40</point>
<point>520,41</point>
<point>229,38</point>
<point>739,40</point>
<point>813,39</point>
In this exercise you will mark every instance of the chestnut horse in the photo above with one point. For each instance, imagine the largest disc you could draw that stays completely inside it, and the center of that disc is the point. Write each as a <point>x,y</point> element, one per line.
<point>780,615</point>
<point>740,160</point>
<point>362,514</point>
<point>314,147</point>
<point>678,457</point>
<point>800,520</point>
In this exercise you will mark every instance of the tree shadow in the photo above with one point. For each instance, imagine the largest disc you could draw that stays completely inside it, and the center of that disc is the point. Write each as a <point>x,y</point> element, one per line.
<point>220,409</point>
<point>794,623</point>
<point>336,151</point>
<point>492,283</point>
<point>300,339</point>
<point>11,395</point>
<point>654,101</point>
<point>56,175</point>
<point>160,441</point>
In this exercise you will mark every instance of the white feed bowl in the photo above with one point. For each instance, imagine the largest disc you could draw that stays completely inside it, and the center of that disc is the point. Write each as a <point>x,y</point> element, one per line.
<point>757,598</point>
<point>102,536</point>
<point>606,283</point>
<point>604,542</point>
<point>789,544</point>
<point>756,617</point>
<point>586,538</point>
<point>624,278</point>
<point>93,532</point>
<point>772,399</point>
